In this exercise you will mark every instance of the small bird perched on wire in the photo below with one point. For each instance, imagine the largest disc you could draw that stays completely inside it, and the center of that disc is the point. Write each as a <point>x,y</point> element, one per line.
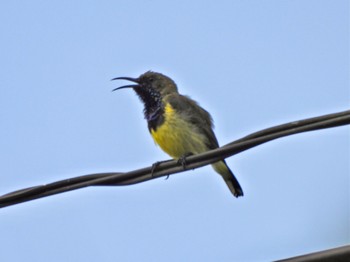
<point>177,123</point>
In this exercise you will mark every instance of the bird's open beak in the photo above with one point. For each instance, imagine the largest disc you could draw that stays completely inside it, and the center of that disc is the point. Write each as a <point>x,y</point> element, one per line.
<point>135,80</point>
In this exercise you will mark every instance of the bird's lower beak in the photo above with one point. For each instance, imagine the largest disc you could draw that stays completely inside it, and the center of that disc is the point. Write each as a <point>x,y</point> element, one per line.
<point>127,86</point>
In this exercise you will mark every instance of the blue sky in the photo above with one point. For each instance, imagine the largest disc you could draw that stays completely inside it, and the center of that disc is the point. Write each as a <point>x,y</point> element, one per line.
<point>252,64</point>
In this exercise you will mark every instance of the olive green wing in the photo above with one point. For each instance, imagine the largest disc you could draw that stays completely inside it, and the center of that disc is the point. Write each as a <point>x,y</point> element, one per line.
<point>193,113</point>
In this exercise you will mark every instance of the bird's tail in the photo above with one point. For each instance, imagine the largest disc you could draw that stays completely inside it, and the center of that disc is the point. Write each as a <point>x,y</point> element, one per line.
<point>230,179</point>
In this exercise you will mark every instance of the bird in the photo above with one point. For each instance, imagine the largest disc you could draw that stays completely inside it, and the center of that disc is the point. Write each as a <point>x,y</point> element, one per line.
<point>177,123</point>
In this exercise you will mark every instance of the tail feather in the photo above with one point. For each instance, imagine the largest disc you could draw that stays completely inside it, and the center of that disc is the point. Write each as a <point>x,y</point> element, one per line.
<point>230,179</point>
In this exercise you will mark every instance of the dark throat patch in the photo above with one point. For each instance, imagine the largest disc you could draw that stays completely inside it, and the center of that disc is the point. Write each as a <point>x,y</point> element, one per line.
<point>153,106</point>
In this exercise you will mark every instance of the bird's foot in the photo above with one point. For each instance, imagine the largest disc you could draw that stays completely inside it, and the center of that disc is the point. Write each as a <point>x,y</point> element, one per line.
<point>155,165</point>
<point>182,160</point>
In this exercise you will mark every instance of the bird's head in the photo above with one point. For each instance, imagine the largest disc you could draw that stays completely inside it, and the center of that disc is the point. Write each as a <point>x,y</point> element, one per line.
<point>151,87</point>
<point>150,82</point>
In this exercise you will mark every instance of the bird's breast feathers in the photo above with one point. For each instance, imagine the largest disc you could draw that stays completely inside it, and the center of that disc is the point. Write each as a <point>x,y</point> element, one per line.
<point>176,136</point>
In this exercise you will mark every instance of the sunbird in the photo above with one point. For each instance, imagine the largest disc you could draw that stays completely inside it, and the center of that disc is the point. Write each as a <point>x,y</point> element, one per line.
<point>177,123</point>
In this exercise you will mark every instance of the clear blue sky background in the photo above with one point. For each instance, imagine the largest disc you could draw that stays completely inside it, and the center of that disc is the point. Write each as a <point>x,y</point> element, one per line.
<point>252,64</point>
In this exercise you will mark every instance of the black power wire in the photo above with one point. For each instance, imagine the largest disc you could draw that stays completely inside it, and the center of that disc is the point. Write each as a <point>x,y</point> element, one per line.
<point>171,167</point>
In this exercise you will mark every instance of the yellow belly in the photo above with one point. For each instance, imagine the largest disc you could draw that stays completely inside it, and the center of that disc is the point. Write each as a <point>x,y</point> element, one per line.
<point>177,137</point>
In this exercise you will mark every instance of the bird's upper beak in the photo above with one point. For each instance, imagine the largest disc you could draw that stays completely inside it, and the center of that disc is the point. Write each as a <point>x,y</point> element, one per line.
<point>135,80</point>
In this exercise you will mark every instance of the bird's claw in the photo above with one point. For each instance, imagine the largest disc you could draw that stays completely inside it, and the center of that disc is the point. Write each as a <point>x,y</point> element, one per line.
<point>182,160</point>
<point>154,166</point>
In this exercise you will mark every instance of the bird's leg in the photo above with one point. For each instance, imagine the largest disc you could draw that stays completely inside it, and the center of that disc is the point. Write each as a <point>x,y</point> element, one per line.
<point>182,160</point>
<point>156,164</point>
